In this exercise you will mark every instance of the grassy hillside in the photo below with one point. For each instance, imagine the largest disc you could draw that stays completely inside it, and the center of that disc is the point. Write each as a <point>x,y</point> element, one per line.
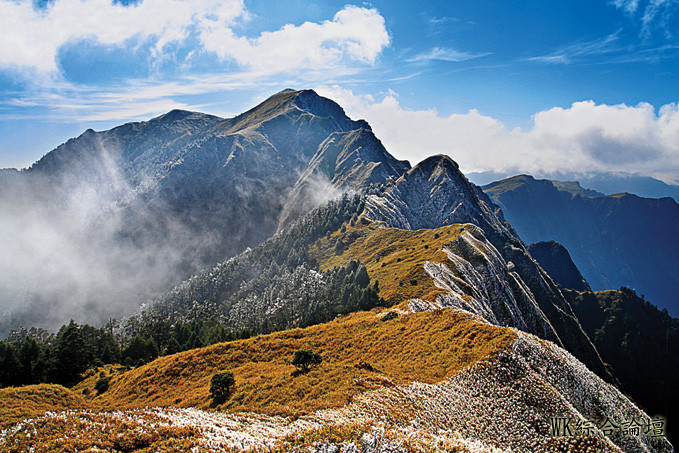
<point>393,257</point>
<point>360,352</point>
<point>30,401</point>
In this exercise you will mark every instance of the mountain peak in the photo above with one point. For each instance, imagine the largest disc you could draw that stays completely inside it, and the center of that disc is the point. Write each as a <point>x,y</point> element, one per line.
<point>288,100</point>
<point>323,107</point>
<point>437,160</point>
<point>434,193</point>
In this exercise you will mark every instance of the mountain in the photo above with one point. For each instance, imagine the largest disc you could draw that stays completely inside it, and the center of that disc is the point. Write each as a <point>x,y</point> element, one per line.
<point>482,267</point>
<point>615,240</point>
<point>136,209</point>
<point>599,183</point>
<point>435,193</point>
<point>557,262</point>
<point>432,325</point>
<point>618,182</point>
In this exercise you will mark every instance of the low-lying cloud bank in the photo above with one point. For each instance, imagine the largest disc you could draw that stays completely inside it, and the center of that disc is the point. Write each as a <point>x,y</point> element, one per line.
<point>583,138</point>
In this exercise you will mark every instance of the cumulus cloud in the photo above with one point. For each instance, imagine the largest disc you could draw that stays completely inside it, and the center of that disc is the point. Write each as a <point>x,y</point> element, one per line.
<point>357,33</point>
<point>32,38</point>
<point>584,137</point>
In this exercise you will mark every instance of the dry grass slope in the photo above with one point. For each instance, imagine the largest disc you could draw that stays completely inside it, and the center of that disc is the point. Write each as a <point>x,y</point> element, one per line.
<point>18,403</point>
<point>393,257</point>
<point>426,347</point>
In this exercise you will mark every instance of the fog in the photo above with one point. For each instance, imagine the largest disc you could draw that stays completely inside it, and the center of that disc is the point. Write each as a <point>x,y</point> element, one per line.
<point>84,245</point>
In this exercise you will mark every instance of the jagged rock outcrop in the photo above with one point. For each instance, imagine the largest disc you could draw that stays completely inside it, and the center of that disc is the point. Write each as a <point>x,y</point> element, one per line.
<point>435,193</point>
<point>479,280</point>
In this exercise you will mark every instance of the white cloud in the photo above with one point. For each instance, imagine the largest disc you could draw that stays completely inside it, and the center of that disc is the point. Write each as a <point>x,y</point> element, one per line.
<point>33,37</point>
<point>655,14</point>
<point>597,48</point>
<point>582,138</point>
<point>446,54</point>
<point>357,33</point>
<point>629,6</point>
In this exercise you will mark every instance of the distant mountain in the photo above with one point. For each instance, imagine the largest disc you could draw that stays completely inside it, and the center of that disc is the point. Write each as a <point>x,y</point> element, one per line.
<point>605,183</point>
<point>555,259</point>
<point>144,205</point>
<point>618,182</point>
<point>616,240</point>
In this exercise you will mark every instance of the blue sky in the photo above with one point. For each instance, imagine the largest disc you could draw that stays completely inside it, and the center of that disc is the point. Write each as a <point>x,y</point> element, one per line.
<point>530,86</point>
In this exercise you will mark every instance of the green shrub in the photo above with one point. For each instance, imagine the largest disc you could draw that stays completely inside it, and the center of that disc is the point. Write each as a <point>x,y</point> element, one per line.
<point>389,316</point>
<point>221,385</point>
<point>304,359</point>
<point>102,384</point>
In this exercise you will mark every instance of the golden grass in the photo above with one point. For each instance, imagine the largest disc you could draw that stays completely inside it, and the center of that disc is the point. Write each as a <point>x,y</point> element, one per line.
<point>393,257</point>
<point>82,431</point>
<point>18,403</point>
<point>424,347</point>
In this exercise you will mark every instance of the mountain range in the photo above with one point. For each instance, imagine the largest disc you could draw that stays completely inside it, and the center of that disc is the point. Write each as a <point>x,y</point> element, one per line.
<point>615,240</point>
<point>293,226</point>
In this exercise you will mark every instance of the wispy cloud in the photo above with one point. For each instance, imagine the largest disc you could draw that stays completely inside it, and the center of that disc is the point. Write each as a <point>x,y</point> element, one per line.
<point>653,15</point>
<point>133,99</point>
<point>658,13</point>
<point>445,54</point>
<point>629,6</point>
<point>576,52</point>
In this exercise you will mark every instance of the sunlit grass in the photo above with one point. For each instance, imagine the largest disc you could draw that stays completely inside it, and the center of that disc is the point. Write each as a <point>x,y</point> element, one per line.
<point>424,347</point>
<point>18,403</point>
<point>393,257</point>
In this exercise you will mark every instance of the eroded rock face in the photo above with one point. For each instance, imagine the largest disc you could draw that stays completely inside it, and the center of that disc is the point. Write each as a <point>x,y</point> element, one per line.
<point>479,280</point>
<point>435,193</point>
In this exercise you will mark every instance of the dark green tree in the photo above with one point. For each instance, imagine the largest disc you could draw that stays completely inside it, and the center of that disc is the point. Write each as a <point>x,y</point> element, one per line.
<point>304,359</point>
<point>221,385</point>
<point>10,372</point>
<point>71,355</point>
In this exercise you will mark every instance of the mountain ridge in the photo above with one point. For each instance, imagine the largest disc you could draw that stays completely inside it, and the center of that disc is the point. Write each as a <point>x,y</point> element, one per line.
<point>615,240</point>
<point>309,222</point>
<point>188,190</point>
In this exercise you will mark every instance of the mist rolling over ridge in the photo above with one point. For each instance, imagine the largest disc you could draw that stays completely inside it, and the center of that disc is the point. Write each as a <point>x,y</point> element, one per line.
<point>110,219</point>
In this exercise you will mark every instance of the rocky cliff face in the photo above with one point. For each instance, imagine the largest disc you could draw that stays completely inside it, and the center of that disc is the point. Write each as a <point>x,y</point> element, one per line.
<point>435,193</point>
<point>555,259</point>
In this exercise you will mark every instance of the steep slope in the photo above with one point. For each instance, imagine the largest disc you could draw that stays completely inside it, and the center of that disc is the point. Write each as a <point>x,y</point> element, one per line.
<point>555,259</point>
<point>147,204</point>
<point>641,343</point>
<point>435,193</point>
<point>350,160</point>
<point>433,380</point>
<point>616,240</point>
